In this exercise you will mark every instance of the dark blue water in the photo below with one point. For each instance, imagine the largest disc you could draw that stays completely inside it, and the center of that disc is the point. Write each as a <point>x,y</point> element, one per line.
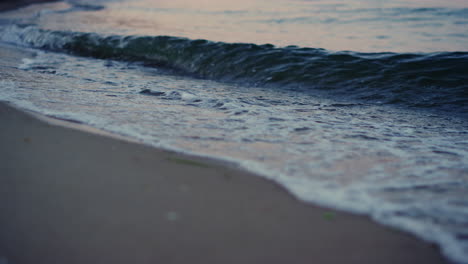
<point>437,80</point>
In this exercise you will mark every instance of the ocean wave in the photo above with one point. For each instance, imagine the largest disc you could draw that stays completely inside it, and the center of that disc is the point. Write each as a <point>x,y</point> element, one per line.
<point>427,80</point>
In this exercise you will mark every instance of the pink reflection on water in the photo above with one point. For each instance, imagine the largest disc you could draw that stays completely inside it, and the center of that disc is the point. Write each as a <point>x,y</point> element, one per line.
<point>358,25</point>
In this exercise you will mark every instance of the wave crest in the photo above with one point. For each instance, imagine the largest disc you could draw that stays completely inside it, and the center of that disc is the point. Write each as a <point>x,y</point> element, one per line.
<point>423,80</point>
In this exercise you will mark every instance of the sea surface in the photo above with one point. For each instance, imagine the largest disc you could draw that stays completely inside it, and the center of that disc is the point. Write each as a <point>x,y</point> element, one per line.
<point>359,105</point>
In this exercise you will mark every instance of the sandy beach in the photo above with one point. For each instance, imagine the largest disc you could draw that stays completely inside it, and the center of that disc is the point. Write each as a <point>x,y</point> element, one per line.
<point>72,196</point>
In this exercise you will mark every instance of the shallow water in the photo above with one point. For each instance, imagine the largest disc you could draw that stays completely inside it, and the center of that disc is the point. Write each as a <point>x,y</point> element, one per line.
<point>384,134</point>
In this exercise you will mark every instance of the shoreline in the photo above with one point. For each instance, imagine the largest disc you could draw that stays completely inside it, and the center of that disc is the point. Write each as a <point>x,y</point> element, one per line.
<point>74,195</point>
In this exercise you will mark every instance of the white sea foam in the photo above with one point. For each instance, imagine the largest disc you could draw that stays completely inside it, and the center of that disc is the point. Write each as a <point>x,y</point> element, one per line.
<point>404,168</point>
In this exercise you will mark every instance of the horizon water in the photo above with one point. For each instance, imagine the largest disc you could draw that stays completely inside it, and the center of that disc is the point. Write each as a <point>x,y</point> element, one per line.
<point>357,105</point>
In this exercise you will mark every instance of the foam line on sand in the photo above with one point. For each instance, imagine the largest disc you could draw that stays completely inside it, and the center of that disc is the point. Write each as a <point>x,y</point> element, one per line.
<point>71,196</point>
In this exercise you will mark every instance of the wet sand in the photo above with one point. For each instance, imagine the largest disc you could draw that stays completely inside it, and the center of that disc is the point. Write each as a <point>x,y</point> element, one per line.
<point>69,195</point>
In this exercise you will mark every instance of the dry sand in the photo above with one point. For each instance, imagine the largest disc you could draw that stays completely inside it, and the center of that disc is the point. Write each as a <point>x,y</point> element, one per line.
<point>71,196</point>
